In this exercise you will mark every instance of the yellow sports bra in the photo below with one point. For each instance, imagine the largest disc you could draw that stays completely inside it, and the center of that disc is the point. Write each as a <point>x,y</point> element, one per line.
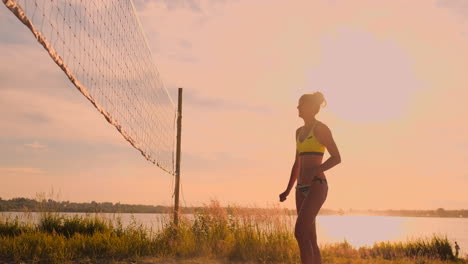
<point>310,145</point>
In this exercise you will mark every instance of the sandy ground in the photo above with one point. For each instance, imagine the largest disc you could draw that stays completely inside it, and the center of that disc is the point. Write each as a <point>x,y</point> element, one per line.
<point>152,260</point>
<point>148,260</point>
<point>183,261</point>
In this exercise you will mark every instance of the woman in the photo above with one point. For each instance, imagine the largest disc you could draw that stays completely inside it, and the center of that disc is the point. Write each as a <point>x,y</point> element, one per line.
<point>311,191</point>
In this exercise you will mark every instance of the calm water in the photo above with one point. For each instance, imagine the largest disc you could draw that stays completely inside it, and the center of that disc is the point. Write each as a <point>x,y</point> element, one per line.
<point>357,230</point>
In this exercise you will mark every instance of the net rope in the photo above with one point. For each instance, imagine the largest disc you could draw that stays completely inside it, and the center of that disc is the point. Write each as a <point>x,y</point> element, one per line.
<point>101,47</point>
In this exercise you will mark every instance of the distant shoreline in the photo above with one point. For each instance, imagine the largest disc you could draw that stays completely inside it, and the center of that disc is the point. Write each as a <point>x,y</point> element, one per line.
<point>189,213</point>
<point>31,205</point>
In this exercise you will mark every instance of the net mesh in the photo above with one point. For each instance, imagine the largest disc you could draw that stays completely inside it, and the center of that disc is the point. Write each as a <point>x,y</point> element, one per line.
<point>102,49</point>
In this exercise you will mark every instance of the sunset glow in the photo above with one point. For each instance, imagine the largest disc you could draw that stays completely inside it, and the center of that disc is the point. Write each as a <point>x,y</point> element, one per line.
<point>393,74</point>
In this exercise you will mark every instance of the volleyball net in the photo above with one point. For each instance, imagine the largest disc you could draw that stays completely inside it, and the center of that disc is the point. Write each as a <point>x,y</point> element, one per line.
<point>101,47</point>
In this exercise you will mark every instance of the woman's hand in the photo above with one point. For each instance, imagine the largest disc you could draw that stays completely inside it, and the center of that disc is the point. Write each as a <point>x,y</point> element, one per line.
<point>283,196</point>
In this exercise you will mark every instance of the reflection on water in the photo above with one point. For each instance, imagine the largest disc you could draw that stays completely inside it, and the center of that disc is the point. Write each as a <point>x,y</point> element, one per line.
<point>366,230</point>
<point>357,230</point>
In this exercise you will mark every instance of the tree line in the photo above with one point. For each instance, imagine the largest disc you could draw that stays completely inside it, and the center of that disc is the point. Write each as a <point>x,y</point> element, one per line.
<point>36,205</point>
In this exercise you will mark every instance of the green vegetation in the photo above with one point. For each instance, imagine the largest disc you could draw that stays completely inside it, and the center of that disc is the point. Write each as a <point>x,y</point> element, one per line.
<point>39,205</point>
<point>214,233</point>
<point>42,204</point>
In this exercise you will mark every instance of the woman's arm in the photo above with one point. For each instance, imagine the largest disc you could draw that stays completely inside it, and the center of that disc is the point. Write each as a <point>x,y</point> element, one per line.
<point>324,136</point>
<point>294,173</point>
<point>293,177</point>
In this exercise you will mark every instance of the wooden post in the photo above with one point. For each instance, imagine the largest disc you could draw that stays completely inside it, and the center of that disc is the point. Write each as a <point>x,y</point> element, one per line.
<point>177,168</point>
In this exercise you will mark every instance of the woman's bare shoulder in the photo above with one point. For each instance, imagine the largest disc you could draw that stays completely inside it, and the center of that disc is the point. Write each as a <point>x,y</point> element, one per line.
<point>298,131</point>
<point>321,127</point>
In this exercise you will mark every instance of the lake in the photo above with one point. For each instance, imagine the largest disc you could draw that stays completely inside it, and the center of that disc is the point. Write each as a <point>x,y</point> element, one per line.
<point>357,230</point>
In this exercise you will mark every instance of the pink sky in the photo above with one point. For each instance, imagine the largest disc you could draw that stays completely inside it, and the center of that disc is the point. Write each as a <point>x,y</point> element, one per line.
<point>393,73</point>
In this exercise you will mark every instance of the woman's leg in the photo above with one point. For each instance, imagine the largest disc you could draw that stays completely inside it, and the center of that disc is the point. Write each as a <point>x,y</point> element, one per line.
<point>317,257</point>
<point>299,199</point>
<point>305,225</point>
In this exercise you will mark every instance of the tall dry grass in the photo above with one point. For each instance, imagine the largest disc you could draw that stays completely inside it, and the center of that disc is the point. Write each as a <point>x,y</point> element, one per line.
<point>214,232</point>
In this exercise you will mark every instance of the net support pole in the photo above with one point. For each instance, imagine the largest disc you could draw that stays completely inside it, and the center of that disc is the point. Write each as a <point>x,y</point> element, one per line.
<point>177,168</point>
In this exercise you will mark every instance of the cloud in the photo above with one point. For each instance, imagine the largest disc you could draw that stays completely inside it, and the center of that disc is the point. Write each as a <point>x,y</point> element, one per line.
<point>459,7</point>
<point>182,58</point>
<point>185,44</point>
<point>35,145</point>
<point>17,72</point>
<point>9,21</point>
<point>215,161</point>
<point>192,5</point>
<point>213,103</point>
<point>49,117</point>
<point>37,118</point>
<point>29,171</point>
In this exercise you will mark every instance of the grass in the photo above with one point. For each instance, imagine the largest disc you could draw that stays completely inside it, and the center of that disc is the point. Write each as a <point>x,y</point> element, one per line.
<point>214,235</point>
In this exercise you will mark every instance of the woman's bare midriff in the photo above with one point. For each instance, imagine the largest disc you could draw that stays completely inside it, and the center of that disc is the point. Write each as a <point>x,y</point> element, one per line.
<point>306,165</point>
